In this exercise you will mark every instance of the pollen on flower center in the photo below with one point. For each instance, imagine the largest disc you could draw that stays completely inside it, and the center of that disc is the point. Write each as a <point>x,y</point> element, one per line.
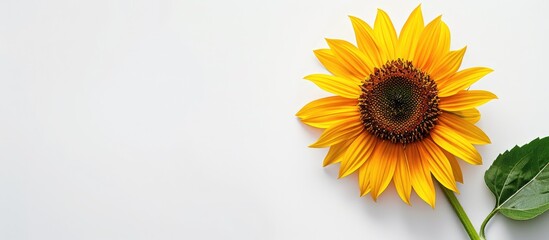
<point>399,103</point>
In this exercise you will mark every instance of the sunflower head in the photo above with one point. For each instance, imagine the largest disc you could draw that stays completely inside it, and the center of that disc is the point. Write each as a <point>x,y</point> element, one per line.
<point>402,111</point>
<point>399,103</point>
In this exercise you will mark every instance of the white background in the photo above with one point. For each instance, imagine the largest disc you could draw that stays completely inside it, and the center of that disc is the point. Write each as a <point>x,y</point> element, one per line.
<point>175,119</point>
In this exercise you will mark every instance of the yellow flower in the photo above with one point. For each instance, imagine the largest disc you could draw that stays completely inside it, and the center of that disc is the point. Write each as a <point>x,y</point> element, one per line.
<point>402,111</point>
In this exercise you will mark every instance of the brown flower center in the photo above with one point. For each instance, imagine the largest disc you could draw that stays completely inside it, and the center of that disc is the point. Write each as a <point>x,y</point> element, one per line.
<point>399,103</point>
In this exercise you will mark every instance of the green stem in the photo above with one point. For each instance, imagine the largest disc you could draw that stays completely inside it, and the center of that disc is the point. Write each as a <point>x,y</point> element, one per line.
<point>485,222</point>
<point>473,235</point>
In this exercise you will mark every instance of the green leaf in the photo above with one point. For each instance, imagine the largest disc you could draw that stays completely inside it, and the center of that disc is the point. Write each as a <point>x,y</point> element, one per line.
<point>519,179</point>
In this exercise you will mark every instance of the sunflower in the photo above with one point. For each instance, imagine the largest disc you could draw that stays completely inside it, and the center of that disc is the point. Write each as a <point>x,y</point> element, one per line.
<point>402,111</point>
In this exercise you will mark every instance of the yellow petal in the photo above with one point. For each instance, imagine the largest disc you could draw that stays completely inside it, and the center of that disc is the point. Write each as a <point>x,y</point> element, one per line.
<point>330,62</point>
<point>325,112</point>
<point>448,65</point>
<point>386,36</point>
<point>467,130</point>
<point>336,153</point>
<point>426,46</point>
<point>410,33</point>
<point>342,131</point>
<point>465,100</point>
<point>336,85</point>
<point>365,39</point>
<point>317,106</point>
<point>461,80</point>
<point>359,151</point>
<point>420,175</point>
<point>455,144</point>
<point>351,56</point>
<point>456,169</point>
<point>470,115</point>
<point>364,178</point>
<point>443,45</point>
<point>382,167</point>
<point>401,179</point>
<point>438,163</point>
<point>331,117</point>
